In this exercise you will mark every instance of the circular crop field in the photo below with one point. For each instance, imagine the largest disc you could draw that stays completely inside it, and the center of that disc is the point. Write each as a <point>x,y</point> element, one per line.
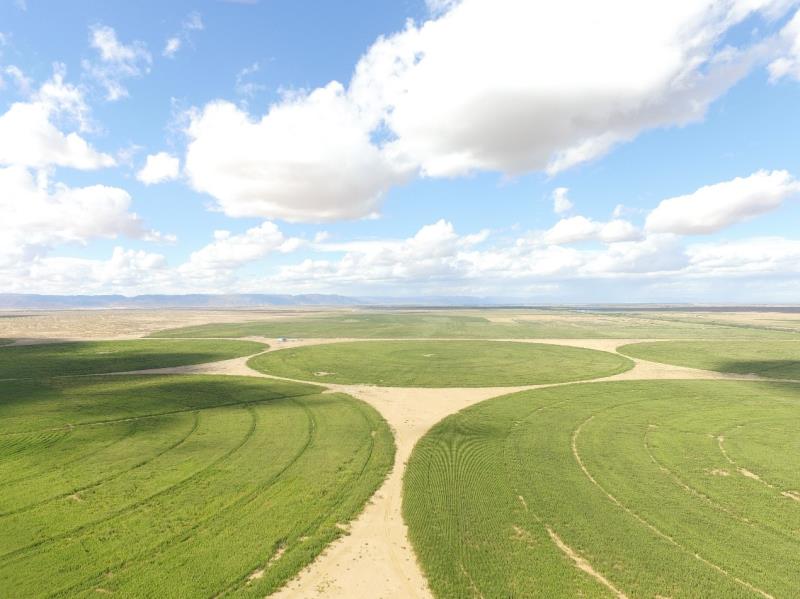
<point>777,358</point>
<point>626,489</point>
<point>177,486</point>
<point>440,363</point>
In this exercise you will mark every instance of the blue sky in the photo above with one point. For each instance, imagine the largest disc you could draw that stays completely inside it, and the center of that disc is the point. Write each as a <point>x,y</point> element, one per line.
<point>402,148</point>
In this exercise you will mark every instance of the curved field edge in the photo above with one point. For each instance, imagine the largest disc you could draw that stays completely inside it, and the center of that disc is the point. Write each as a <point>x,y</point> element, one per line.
<point>280,467</point>
<point>440,363</point>
<point>778,359</point>
<point>100,357</point>
<point>634,488</point>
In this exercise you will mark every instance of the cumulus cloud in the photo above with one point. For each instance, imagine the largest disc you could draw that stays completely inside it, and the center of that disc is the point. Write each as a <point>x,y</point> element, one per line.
<point>29,136</point>
<point>759,256</point>
<point>561,203</point>
<point>159,168</point>
<point>310,158</point>
<point>788,64</point>
<point>116,61</point>
<point>550,85</point>
<point>38,215</point>
<point>714,207</point>
<point>228,252</point>
<point>580,228</point>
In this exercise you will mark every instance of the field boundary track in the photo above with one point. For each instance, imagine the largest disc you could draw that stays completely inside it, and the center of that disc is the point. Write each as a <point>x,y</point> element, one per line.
<point>376,557</point>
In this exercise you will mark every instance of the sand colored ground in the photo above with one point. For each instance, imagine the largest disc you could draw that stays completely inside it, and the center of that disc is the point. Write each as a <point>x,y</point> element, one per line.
<point>375,560</point>
<point>80,325</point>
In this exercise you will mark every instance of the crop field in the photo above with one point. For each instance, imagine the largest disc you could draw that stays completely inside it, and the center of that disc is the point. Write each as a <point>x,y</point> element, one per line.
<point>778,359</point>
<point>440,363</point>
<point>98,357</point>
<point>177,486</point>
<point>626,489</point>
<point>531,325</point>
<point>216,485</point>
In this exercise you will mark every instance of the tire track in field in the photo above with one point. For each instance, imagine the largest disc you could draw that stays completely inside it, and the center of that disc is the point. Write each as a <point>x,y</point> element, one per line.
<point>117,474</point>
<point>578,561</point>
<point>186,534</point>
<point>113,421</point>
<point>79,457</point>
<point>671,540</point>
<point>583,565</point>
<point>17,554</point>
<point>314,526</point>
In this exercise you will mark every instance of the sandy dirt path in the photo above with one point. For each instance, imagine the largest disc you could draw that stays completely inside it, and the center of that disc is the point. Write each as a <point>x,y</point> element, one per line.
<point>375,560</point>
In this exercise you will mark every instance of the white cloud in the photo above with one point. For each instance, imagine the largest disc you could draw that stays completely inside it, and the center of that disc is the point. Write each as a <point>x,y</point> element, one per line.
<point>159,168</point>
<point>438,7</point>
<point>38,215</point>
<point>21,81</point>
<point>551,84</point>
<point>580,228</point>
<point>247,88</point>
<point>125,271</point>
<point>117,61</point>
<point>29,137</point>
<point>172,46</point>
<point>561,203</point>
<point>192,22</point>
<point>310,158</point>
<point>759,256</point>
<point>788,64</point>
<point>714,207</point>
<point>228,252</point>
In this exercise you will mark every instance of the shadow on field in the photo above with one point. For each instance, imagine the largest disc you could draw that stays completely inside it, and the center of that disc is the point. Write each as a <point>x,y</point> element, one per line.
<point>25,405</point>
<point>784,369</point>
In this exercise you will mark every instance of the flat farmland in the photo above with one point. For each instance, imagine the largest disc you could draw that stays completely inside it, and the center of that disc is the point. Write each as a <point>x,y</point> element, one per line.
<point>440,363</point>
<point>99,357</point>
<point>177,486</point>
<point>485,324</point>
<point>626,489</point>
<point>778,359</point>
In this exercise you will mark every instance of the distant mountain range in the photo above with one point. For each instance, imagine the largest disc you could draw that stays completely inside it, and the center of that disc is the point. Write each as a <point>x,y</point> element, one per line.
<point>26,301</point>
<point>198,300</point>
<point>29,301</point>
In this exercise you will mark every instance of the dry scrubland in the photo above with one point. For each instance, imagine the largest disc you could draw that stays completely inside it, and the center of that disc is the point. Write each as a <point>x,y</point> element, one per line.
<point>188,485</point>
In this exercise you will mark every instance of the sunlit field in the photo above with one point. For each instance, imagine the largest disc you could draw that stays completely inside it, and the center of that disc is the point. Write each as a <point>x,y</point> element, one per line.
<point>641,489</point>
<point>177,486</point>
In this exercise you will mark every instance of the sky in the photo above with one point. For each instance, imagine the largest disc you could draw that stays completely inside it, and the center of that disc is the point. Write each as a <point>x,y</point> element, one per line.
<point>623,151</point>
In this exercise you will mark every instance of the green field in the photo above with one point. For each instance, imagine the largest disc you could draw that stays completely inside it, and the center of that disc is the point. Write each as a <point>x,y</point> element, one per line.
<point>97,357</point>
<point>440,363</point>
<point>177,486</point>
<point>532,325</point>
<point>667,489</point>
<point>6,341</point>
<point>778,359</point>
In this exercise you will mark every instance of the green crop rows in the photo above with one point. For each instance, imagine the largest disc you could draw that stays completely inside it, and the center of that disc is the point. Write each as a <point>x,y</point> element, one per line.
<point>440,363</point>
<point>661,489</point>
<point>176,486</point>
<point>778,359</point>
